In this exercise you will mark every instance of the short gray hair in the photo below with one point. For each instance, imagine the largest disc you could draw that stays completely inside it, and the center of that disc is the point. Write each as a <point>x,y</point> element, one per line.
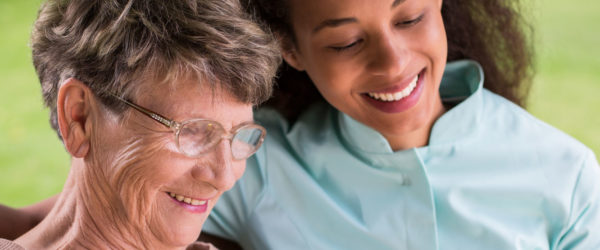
<point>109,44</point>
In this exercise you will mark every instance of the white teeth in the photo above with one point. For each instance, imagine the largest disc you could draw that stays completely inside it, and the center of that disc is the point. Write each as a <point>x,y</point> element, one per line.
<point>398,95</point>
<point>187,199</point>
<point>390,97</point>
<point>197,202</point>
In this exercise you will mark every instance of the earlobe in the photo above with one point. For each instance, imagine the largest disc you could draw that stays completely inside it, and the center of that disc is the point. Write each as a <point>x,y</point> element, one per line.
<point>73,113</point>
<point>291,58</point>
<point>290,54</point>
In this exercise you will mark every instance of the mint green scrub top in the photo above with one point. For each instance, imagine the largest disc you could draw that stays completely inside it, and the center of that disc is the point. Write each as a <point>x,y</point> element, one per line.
<point>492,177</point>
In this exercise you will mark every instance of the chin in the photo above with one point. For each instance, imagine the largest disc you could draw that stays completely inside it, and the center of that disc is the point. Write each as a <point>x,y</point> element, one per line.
<point>182,234</point>
<point>413,125</point>
<point>174,226</point>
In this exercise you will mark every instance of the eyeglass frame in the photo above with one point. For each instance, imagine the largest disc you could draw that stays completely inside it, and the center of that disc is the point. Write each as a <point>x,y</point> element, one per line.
<point>176,126</point>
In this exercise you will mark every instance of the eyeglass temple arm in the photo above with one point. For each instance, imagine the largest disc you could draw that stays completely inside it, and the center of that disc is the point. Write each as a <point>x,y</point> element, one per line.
<point>159,118</point>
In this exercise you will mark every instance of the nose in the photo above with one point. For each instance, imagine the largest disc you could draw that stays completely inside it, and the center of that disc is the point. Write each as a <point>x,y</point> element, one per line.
<point>217,167</point>
<point>389,55</point>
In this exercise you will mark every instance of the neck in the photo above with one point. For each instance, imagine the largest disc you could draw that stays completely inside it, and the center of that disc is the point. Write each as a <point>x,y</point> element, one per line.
<point>418,137</point>
<point>88,215</point>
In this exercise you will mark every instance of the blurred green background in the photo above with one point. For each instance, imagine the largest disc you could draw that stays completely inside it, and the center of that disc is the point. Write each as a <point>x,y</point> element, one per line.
<point>34,165</point>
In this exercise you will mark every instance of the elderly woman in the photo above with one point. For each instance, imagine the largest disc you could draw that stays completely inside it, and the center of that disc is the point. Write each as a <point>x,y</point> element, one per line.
<point>153,101</point>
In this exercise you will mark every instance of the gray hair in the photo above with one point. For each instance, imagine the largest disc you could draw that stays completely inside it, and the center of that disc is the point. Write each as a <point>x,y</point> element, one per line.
<point>111,44</point>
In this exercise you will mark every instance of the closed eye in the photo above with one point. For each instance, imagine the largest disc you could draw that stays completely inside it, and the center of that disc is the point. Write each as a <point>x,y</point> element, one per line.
<point>411,22</point>
<point>346,47</point>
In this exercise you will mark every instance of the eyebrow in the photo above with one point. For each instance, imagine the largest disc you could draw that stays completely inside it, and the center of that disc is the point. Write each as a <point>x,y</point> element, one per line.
<point>341,21</point>
<point>334,23</point>
<point>396,2</point>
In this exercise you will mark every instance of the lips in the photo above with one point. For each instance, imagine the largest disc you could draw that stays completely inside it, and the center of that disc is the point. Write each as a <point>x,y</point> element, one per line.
<point>397,99</point>
<point>397,95</point>
<point>187,200</point>
<point>188,203</point>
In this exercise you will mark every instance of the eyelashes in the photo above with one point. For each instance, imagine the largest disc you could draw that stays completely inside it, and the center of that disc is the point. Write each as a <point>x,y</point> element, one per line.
<point>353,44</point>
<point>410,22</point>
<point>346,47</point>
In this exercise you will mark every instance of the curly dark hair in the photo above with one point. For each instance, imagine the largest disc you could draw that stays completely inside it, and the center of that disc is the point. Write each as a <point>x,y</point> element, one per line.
<point>491,32</point>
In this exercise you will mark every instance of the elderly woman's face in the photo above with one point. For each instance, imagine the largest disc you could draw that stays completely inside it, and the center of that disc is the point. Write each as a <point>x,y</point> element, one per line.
<point>146,168</point>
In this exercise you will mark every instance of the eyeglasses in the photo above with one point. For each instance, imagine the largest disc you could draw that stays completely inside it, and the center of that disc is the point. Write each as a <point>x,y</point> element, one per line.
<point>196,137</point>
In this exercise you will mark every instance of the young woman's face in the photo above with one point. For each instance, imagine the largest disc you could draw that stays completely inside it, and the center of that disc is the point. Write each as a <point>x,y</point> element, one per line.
<point>379,61</point>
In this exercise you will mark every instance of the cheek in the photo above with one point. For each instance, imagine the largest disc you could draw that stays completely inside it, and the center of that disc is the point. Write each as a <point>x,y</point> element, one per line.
<point>432,44</point>
<point>433,38</point>
<point>139,169</point>
<point>334,80</point>
<point>239,167</point>
<point>331,73</point>
<point>441,50</point>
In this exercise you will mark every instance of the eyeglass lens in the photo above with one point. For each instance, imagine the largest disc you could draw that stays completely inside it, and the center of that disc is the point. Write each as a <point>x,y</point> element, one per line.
<point>197,137</point>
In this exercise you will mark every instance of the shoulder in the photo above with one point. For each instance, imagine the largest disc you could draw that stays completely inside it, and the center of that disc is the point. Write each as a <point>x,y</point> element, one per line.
<point>510,121</point>
<point>279,149</point>
<point>289,147</point>
<point>275,123</point>
<point>520,137</point>
<point>285,138</point>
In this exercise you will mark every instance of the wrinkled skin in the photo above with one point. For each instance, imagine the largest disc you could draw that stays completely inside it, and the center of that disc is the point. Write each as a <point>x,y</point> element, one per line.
<point>124,166</point>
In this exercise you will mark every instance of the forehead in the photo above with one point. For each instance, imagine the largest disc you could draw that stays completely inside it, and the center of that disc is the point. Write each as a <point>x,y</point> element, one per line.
<point>310,12</point>
<point>188,98</point>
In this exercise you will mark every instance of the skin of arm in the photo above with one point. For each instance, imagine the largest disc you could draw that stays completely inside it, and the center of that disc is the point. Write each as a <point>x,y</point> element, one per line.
<point>19,221</point>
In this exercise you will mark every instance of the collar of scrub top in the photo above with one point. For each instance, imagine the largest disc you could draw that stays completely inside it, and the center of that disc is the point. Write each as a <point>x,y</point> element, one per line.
<point>462,82</point>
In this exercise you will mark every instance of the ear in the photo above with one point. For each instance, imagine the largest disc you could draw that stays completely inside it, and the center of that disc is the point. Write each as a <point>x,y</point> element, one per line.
<point>74,116</point>
<point>290,54</point>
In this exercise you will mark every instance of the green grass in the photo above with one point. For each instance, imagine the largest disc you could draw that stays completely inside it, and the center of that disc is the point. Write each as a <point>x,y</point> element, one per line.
<point>568,80</point>
<point>34,165</point>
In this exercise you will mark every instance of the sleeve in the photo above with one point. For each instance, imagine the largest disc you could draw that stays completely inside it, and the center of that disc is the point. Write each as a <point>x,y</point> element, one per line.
<point>583,231</point>
<point>228,217</point>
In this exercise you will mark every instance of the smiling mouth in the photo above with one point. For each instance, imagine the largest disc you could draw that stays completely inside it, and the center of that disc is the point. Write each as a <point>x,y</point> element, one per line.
<point>187,200</point>
<point>397,95</point>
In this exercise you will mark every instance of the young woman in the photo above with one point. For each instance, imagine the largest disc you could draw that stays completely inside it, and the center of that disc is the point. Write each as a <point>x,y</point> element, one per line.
<point>410,138</point>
